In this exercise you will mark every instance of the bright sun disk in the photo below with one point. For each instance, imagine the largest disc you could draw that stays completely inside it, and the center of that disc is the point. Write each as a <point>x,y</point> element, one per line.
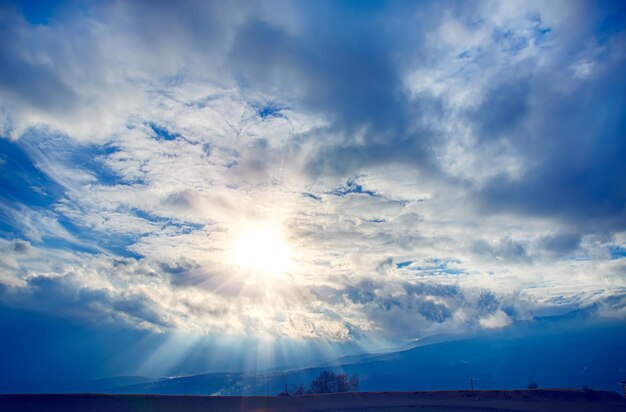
<point>263,251</point>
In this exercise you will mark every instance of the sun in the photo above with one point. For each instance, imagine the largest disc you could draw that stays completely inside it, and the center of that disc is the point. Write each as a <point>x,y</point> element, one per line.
<point>262,250</point>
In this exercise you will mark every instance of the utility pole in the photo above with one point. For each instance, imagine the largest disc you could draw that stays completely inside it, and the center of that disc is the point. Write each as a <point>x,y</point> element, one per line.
<point>472,382</point>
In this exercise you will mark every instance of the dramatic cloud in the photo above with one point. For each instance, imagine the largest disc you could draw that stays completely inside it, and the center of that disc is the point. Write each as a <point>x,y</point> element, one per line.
<point>424,168</point>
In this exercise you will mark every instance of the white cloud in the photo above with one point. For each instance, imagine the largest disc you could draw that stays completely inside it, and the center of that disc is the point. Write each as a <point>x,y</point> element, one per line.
<point>387,247</point>
<point>495,321</point>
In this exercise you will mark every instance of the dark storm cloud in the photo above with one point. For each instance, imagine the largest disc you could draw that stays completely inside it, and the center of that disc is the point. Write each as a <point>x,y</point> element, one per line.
<point>38,85</point>
<point>573,144</point>
<point>178,36</point>
<point>561,243</point>
<point>344,70</point>
<point>25,75</point>
<point>345,62</point>
<point>414,302</point>
<point>179,266</point>
<point>411,308</point>
<point>185,271</point>
<point>505,248</point>
<point>63,296</point>
<point>21,246</point>
<point>503,111</point>
<point>487,302</point>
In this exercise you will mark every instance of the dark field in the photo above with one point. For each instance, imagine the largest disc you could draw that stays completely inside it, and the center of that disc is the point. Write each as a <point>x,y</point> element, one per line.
<point>517,400</point>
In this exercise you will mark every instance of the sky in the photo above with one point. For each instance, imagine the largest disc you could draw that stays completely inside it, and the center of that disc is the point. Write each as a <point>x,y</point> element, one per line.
<point>335,175</point>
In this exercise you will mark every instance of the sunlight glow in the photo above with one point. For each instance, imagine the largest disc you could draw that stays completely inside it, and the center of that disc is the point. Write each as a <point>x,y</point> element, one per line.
<point>262,251</point>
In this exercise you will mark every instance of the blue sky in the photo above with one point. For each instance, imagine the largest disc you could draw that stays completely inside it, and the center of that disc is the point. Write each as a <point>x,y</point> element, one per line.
<point>340,174</point>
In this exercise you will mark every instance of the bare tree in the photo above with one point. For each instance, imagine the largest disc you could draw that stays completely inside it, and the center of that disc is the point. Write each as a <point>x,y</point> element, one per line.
<point>331,382</point>
<point>323,383</point>
<point>298,389</point>
<point>293,390</point>
<point>354,383</point>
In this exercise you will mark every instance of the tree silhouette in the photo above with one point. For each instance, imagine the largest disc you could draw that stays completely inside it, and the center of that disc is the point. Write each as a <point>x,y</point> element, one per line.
<point>331,382</point>
<point>294,390</point>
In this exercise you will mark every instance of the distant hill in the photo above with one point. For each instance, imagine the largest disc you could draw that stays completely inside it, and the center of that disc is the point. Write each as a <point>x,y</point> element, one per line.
<point>104,385</point>
<point>544,352</point>
<point>562,352</point>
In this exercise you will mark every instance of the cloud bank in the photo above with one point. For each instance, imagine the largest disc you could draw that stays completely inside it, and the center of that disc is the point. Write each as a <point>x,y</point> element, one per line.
<point>434,167</point>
